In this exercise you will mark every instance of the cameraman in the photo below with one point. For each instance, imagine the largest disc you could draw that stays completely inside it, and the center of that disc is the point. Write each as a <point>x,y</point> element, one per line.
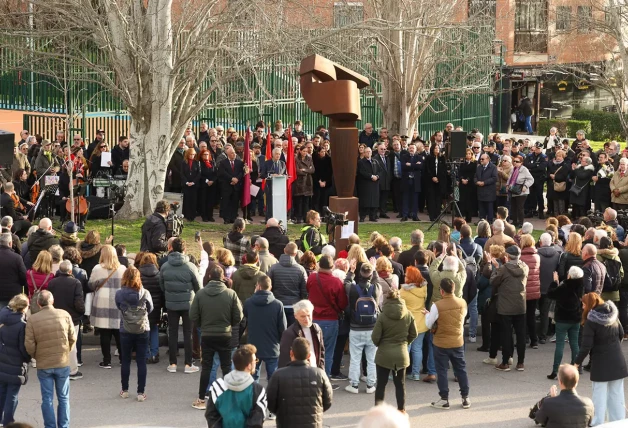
<point>154,238</point>
<point>311,238</point>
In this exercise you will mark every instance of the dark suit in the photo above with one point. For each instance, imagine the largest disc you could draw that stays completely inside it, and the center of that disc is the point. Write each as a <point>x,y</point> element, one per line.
<point>190,193</point>
<point>208,194</point>
<point>268,168</point>
<point>230,192</point>
<point>173,184</point>
<point>395,183</point>
<point>385,178</point>
<point>406,258</point>
<point>368,190</point>
<point>468,196</point>
<point>411,183</point>
<point>567,409</point>
<point>20,227</point>
<point>487,193</point>
<point>436,192</point>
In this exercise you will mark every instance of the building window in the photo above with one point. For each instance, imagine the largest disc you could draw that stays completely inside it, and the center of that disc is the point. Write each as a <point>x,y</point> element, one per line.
<point>482,8</point>
<point>348,13</point>
<point>531,26</point>
<point>563,18</point>
<point>585,16</point>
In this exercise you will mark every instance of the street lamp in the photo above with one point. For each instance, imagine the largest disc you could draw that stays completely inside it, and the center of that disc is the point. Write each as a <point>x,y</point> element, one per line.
<point>499,45</point>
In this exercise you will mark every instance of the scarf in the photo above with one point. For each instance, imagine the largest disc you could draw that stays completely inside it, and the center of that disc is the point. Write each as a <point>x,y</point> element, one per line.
<point>190,163</point>
<point>180,150</point>
<point>557,162</point>
<point>48,155</point>
<point>208,163</point>
<point>383,274</point>
<point>514,176</point>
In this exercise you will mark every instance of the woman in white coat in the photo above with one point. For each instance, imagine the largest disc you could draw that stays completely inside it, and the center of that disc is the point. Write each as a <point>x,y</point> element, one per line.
<point>519,182</point>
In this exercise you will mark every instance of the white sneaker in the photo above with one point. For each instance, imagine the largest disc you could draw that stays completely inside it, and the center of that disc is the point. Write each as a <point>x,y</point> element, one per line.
<point>271,416</point>
<point>33,363</point>
<point>472,339</point>
<point>553,339</point>
<point>491,361</point>
<point>352,389</point>
<point>510,361</point>
<point>190,369</point>
<point>363,379</point>
<point>370,389</point>
<point>116,353</point>
<point>172,368</point>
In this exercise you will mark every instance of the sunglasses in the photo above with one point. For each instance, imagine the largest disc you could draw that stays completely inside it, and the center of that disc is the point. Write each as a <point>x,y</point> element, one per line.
<point>103,147</point>
<point>516,161</point>
<point>77,139</point>
<point>476,147</point>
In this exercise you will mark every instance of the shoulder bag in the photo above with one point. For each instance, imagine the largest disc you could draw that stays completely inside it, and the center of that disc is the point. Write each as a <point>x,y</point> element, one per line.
<point>559,187</point>
<point>575,189</point>
<point>89,299</point>
<point>341,314</point>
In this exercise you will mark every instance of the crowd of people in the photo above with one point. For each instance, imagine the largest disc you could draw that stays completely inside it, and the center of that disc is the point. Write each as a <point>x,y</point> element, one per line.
<point>263,300</point>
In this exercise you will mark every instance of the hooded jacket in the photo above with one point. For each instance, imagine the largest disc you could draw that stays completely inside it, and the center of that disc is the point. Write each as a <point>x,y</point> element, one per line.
<point>459,278</point>
<point>266,323</point>
<point>236,401</point>
<point>289,280</point>
<point>415,297</point>
<point>216,309</point>
<point>530,258</point>
<point>510,282</point>
<point>549,264</point>
<point>610,254</point>
<point>244,280</point>
<point>179,280</point>
<point>90,253</point>
<point>12,352</point>
<point>149,275</point>
<point>154,229</point>
<point>38,241</point>
<point>601,337</point>
<point>394,330</point>
<point>13,274</point>
<point>568,297</point>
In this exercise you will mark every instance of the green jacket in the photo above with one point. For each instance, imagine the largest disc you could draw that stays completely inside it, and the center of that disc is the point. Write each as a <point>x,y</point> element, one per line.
<point>215,309</point>
<point>179,280</point>
<point>436,275</point>
<point>394,330</point>
<point>244,281</point>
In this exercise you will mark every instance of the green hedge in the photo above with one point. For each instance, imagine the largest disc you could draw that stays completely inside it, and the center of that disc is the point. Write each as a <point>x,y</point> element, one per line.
<point>605,126</point>
<point>566,128</point>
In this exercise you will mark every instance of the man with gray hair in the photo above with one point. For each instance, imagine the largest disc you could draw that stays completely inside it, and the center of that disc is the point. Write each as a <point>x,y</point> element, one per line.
<point>549,255</point>
<point>7,225</point>
<point>277,239</point>
<point>610,219</point>
<point>329,250</point>
<point>452,268</point>
<point>67,292</point>
<point>510,281</point>
<point>231,175</point>
<point>498,237</point>
<point>384,416</point>
<point>270,169</point>
<point>13,271</point>
<point>266,260</point>
<point>406,258</point>
<point>395,243</point>
<point>303,327</point>
<point>49,338</point>
<point>594,270</point>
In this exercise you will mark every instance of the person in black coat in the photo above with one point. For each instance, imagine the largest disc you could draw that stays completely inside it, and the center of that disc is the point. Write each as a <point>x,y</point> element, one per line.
<point>13,271</point>
<point>230,173</point>
<point>581,176</point>
<point>558,170</point>
<point>411,172</point>
<point>435,172</point>
<point>385,167</point>
<point>277,240</point>
<point>602,338</point>
<point>368,186</point>
<point>272,168</point>
<point>68,292</point>
<point>323,176</point>
<point>396,171</point>
<point>485,179</point>
<point>208,184</point>
<point>149,275</point>
<point>602,189</point>
<point>467,189</point>
<point>536,162</point>
<point>17,213</point>
<point>190,179</point>
<point>173,180</point>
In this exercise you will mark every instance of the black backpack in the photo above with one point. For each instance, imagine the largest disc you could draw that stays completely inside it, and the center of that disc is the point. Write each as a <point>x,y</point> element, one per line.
<point>613,275</point>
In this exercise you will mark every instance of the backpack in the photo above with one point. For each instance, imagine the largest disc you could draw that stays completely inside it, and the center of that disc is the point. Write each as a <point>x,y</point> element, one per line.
<point>470,261</point>
<point>366,308</point>
<point>134,318</point>
<point>36,292</point>
<point>613,275</point>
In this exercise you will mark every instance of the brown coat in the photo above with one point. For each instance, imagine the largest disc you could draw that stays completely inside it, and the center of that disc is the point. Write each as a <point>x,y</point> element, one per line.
<point>497,239</point>
<point>49,337</point>
<point>451,313</point>
<point>304,185</point>
<point>621,183</point>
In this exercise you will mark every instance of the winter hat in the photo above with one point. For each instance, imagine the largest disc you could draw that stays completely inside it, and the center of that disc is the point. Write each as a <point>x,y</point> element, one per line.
<point>70,227</point>
<point>513,252</point>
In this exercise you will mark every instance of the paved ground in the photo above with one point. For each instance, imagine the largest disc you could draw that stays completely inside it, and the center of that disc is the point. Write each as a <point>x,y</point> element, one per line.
<point>498,399</point>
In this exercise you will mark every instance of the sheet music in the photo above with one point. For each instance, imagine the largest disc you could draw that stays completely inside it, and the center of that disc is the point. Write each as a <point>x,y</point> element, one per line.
<point>105,158</point>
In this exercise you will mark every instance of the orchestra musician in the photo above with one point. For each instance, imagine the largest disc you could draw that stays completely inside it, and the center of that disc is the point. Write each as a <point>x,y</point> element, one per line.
<point>12,207</point>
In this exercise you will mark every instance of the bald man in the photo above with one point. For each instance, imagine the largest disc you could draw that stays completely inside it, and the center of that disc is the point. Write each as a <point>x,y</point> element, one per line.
<point>40,240</point>
<point>231,176</point>
<point>277,240</point>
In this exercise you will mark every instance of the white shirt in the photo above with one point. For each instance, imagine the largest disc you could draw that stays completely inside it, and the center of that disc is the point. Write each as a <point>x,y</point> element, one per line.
<point>432,316</point>
<point>308,335</point>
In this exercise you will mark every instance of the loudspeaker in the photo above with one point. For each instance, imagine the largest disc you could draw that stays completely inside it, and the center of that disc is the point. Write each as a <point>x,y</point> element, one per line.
<point>98,208</point>
<point>7,143</point>
<point>458,144</point>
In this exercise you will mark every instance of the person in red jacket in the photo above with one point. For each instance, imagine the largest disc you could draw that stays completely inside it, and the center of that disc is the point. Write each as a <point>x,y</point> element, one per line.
<point>328,296</point>
<point>530,257</point>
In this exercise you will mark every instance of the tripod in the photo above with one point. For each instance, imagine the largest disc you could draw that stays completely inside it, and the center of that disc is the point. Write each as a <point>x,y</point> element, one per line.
<point>453,204</point>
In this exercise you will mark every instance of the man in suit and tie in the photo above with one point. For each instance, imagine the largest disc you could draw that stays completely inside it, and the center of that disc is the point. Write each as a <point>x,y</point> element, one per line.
<point>412,169</point>
<point>395,182</point>
<point>368,187</point>
<point>485,180</point>
<point>231,172</point>
<point>272,168</point>
<point>476,146</point>
<point>385,177</point>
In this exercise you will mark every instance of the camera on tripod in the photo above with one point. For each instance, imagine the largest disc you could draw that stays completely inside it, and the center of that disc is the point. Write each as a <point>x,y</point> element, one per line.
<point>174,222</point>
<point>596,217</point>
<point>333,219</point>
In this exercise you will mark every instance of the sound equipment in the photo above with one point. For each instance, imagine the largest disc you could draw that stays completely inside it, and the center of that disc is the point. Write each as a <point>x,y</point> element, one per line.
<point>98,208</point>
<point>458,144</point>
<point>7,144</point>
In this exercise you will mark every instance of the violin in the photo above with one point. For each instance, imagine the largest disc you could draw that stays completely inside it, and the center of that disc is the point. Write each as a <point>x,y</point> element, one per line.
<point>17,204</point>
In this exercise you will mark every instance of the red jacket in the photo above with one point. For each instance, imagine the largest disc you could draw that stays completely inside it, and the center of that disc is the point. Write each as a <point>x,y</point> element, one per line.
<point>530,257</point>
<point>327,306</point>
<point>40,280</point>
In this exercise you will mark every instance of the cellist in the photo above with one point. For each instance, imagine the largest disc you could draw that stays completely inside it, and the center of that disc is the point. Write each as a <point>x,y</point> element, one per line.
<point>64,193</point>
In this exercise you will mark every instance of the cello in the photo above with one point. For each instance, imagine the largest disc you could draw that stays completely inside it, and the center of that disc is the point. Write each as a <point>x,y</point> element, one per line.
<point>81,206</point>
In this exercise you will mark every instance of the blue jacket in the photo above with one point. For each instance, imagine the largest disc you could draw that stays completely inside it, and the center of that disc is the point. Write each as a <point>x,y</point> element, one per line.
<point>13,355</point>
<point>266,322</point>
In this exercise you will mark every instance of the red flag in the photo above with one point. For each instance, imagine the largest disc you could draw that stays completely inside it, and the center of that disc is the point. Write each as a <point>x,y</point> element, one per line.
<point>269,153</point>
<point>246,157</point>
<point>290,168</point>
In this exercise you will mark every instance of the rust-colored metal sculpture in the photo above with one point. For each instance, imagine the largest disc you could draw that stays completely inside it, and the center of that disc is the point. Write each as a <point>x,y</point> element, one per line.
<point>333,91</point>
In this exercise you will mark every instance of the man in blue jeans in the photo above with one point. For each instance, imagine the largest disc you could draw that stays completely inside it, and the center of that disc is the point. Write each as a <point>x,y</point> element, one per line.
<point>49,338</point>
<point>448,340</point>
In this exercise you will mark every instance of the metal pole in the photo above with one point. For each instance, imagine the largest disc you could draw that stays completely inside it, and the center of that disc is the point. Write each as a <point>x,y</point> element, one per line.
<point>501,87</point>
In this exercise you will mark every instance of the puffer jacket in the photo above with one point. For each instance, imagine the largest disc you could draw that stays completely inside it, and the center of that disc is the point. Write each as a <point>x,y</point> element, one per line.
<point>594,274</point>
<point>289,280</point>
<point>127,297</point>
<point>244,280</point>
<point>149,275</point>
<point>415,296</point>
<point>13,353</point>
<point>394,330</point>
<point>216,309</point>
<point>90,253</point>
<point>601,337</point>
<point>49,338</point>
<point>610,254</point>
<point>179,280</point>
<point>568,297</point>
<point>510,282</point>
<point>266,323</point>
<point>104,313</point>
<point>530,257</point>
<point>42,280</point>
<point>549,264</point>
<point>39,241</point>
<point>298,395</point>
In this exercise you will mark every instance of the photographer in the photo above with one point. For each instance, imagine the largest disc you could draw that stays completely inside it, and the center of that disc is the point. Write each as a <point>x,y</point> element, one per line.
<point>154,238</point>
<point>311,237</point>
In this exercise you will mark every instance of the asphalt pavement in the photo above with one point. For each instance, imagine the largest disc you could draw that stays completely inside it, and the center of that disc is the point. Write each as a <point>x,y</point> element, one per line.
<point>498,399</point>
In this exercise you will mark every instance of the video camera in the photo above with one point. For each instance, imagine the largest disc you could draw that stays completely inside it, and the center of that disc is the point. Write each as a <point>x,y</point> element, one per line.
<point>596,217</point>
<point>174,222</point>
<point>333,219</point>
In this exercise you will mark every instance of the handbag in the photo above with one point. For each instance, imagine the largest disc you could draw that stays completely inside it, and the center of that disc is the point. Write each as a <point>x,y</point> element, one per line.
<point>36,292</point>
<point>341,314</point>
<point>559,187</point>
<point>575,189</point>
<point>516,189</point>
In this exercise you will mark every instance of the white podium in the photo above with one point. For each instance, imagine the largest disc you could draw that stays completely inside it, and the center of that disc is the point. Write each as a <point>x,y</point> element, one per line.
<point>280,210</point>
